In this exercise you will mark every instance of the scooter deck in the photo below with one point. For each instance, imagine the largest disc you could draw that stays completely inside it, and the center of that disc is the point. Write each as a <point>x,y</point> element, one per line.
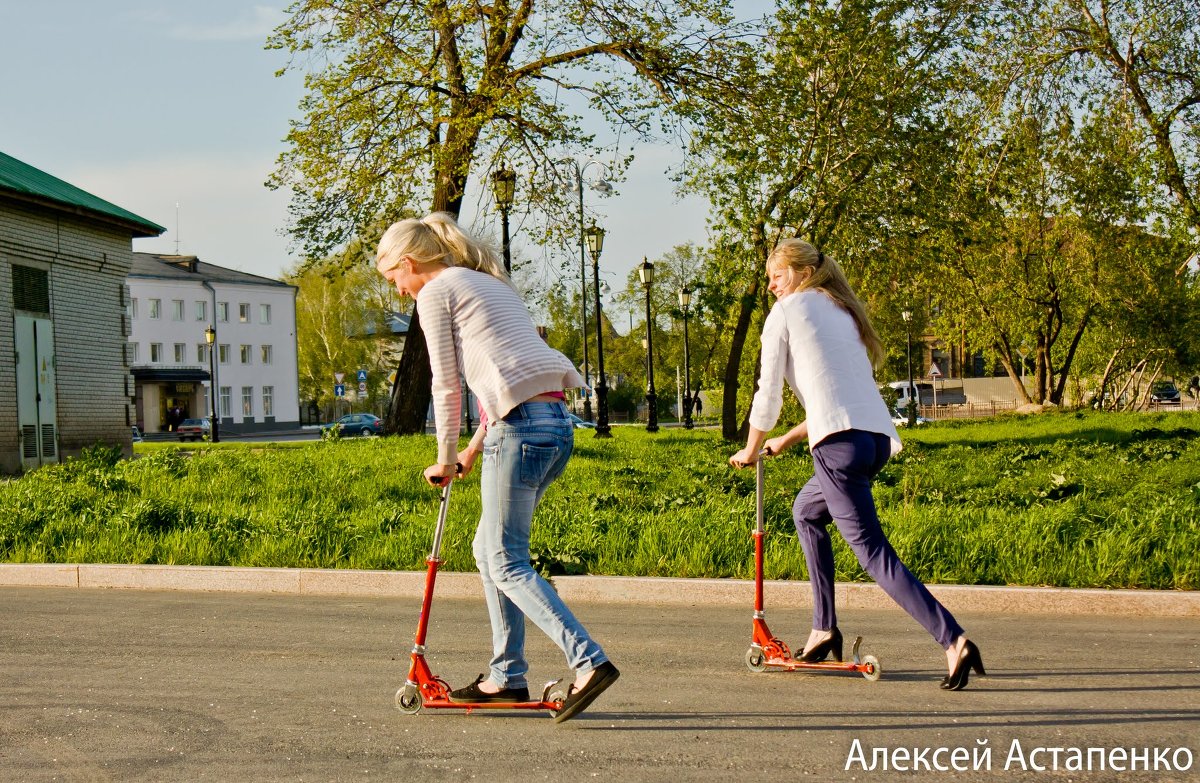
<point>446,704</point>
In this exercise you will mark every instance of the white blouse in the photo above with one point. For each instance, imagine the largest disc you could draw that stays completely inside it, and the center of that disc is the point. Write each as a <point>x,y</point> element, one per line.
<point>813,343</point>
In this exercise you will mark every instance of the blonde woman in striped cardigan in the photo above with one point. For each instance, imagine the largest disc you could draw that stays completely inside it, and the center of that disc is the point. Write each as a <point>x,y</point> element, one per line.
<point>477,327</point>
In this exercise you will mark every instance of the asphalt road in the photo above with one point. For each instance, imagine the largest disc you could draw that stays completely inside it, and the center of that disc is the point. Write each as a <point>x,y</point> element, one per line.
<point>135,685</point>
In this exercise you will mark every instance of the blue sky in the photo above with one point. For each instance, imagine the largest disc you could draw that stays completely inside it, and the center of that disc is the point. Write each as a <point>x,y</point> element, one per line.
<point>154,104</point>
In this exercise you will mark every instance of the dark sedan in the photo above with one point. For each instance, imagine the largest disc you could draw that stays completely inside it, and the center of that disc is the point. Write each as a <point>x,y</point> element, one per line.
<point>363,424</point>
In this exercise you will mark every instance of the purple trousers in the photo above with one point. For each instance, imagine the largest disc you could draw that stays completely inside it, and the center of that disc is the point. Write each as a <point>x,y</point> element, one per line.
<point>844,464</point>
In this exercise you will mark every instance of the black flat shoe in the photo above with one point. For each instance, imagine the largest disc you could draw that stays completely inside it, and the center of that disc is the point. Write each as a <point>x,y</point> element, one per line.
<point>968,659</point>
<point>472,695</point>
<point>819,653</point>
<point>577,701</point>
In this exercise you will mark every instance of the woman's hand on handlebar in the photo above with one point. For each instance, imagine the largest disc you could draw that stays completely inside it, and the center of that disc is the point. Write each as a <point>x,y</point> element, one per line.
<point>437,475</point>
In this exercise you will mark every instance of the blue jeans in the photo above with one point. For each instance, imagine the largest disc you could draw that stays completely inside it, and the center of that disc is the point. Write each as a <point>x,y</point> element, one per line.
<point>522,456</point>
<point>844,465</point>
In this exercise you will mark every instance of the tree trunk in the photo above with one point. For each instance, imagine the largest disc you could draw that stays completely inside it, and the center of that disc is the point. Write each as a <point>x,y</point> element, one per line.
<point>730,425</point>
<point>408,407</point>
<point>412,392</point>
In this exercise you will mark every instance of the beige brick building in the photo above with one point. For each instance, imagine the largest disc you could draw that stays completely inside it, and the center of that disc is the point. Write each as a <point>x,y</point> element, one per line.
<point>64,373</point>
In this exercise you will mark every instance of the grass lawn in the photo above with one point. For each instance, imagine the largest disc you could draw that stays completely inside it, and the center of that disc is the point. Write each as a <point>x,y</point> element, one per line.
<point>1066,499</point>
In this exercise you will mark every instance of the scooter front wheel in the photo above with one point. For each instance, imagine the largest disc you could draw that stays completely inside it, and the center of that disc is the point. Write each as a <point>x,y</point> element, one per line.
<point>408,699</point>
<point>873,670</point>
<point>756,660</point>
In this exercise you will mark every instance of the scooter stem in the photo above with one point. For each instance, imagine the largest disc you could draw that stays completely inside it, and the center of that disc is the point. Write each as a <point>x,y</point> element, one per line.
<point>431,574</point>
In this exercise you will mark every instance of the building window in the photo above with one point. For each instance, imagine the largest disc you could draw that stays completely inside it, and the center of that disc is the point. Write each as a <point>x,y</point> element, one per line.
<point>223,312</point>
<point>156,308</point>
<point>267,354</point>
<point>133,352</point>
<point>202,353</point>
<point>201,310</point>
<point>268,401</point>
<point>226,400</point>
<point>30,289</point>
<point>247,400</point>
<point>264,314</point>
<point>223,353</point>
<point>244,313</point>
<point>245,354</point>
<point>180,353</point>
<point>155,353</point>
<point>133,308</point>
<point>176,309</point>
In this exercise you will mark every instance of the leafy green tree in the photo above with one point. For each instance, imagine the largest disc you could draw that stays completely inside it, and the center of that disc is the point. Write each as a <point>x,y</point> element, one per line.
<point>408,98</point>
<point>340,316</point>
<point>834,107</point>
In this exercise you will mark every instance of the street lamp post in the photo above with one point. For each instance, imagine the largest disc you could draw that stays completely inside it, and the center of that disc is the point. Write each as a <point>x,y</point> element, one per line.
<point>646,270</point>
<point>595,244</point>
<point>685,298</point>
<point>504,185</point>
<point>577,187</point>
<point>912,392</point>
<point>210,337</point>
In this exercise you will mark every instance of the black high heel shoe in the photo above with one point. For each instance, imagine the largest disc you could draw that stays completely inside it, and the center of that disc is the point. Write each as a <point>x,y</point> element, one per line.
<point>968,659</point>
<point>820,652</point>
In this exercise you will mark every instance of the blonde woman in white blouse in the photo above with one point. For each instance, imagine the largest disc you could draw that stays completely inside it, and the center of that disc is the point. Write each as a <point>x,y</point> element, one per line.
<point>477,327</point>
<point>818,338</point>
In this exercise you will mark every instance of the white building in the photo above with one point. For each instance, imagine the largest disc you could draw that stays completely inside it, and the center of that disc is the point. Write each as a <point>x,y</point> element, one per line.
<point>173,301</point>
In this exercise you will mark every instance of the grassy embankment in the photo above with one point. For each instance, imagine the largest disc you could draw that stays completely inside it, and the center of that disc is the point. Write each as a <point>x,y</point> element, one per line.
<point>1075,500</point>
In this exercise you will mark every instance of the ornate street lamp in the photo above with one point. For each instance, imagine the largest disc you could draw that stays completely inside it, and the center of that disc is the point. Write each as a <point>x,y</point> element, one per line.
<point>594,237</point>
<point>685,298</point>
<point>646,271</point>
<point>504,185</point>
<point>912,392</point>
<point>576,187</point>
<point>210,337</point>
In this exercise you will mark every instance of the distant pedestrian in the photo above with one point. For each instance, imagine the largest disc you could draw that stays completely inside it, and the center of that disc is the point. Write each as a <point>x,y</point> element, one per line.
<point>477,327</point>
<point>696,404</point>
<point>818,337</point>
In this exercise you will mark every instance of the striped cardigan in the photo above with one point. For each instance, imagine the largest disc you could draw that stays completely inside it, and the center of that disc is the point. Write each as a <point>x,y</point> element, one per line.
<point>477,327</point>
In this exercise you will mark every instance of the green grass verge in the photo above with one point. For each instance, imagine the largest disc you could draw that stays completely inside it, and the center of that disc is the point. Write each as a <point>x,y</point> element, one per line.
<point>1068,499</point>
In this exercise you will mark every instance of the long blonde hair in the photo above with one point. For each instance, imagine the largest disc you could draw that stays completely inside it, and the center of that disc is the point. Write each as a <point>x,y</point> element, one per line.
<point>827,276</point>
<point>436,237</point>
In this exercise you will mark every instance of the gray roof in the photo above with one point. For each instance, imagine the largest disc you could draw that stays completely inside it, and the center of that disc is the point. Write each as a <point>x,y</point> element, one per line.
<point>397,323</point>
<point>25,183</point>
<point>167,267</point>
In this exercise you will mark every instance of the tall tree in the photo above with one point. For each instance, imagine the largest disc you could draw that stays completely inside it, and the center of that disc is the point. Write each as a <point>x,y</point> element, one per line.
<point>408,98</point>
<point>840,96</point>
<point>1149,50</point>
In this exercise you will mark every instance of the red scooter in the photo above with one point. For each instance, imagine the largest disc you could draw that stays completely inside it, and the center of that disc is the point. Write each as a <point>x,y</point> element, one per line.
<point>423,688</point>
<point>767,653</point>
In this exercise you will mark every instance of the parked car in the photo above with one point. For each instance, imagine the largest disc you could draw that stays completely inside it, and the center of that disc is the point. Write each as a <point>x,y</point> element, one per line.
<point>363,424</point>
<point>579,423</point>
<point>193,429</point>
<point>900,419</point>
<point>1165,393</point>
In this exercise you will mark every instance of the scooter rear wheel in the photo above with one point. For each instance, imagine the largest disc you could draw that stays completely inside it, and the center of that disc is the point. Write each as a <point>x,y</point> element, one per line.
<point>756,660</point>
<point>408,700</point>
<point>873,671</point>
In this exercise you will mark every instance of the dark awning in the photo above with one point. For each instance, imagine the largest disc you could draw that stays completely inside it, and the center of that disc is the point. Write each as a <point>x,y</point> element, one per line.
<point>169,374</point>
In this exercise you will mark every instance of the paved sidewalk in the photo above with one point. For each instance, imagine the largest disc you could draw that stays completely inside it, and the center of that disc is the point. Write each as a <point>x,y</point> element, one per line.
<point>638,590</point>
<point>144,685</point>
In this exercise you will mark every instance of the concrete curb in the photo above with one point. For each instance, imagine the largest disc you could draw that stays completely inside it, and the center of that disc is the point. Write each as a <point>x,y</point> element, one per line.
<point>609,589</point>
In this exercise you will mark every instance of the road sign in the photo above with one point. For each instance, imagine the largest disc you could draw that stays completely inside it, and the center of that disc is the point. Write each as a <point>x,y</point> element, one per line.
<point>338,376</point>
<point>339,390</point>
<point>362,388</point>
<point>362,376</point>
<point>934,370</point>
